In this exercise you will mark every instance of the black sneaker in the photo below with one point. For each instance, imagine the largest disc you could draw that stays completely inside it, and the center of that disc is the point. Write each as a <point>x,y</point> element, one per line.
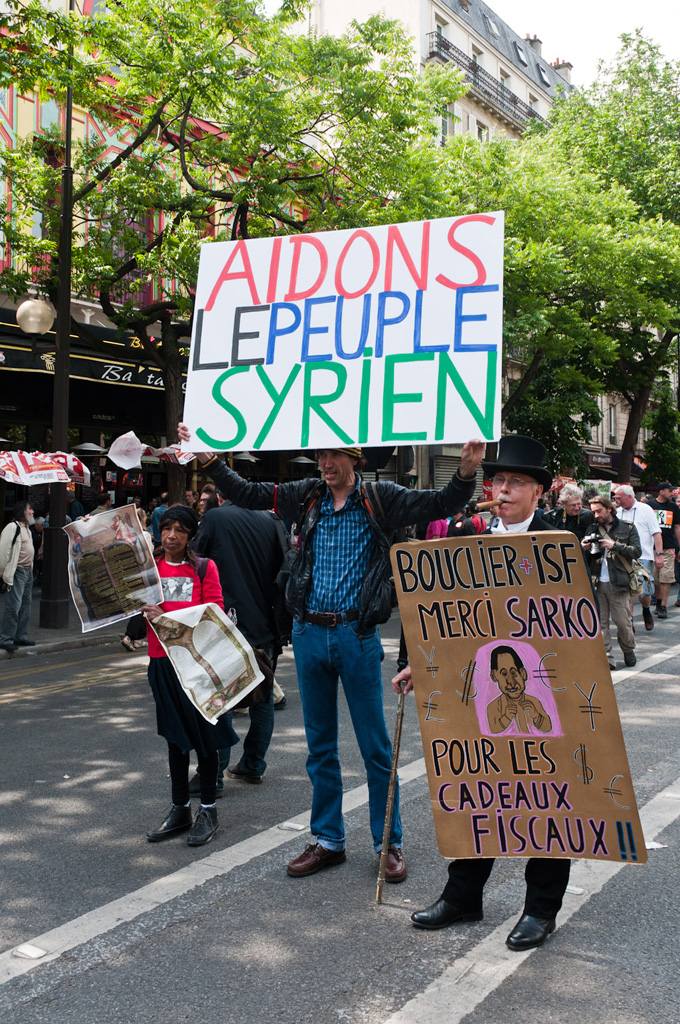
<point>204,828</point>
<point>663,614</point>
<point>629,658</point>
<point>177,820</point>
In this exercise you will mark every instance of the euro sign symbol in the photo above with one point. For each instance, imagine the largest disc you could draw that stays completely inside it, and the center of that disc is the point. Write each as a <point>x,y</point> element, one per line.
<point>580,758</point>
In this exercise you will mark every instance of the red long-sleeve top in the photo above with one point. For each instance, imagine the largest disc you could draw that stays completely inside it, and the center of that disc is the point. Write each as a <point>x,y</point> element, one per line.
<point>188,590</point>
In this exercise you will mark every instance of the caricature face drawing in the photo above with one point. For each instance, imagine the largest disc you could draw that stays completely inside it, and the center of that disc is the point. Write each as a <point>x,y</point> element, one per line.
<point>509,675</point>
<point>514,707</point>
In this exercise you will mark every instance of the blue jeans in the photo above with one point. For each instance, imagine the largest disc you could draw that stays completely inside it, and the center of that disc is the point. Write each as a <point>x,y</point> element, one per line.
<point>256,743</point>
<point>18,606</point>
<point>322,654</point>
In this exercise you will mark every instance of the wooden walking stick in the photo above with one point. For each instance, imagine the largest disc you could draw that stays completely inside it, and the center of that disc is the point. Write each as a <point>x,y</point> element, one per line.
<point>402,662</point>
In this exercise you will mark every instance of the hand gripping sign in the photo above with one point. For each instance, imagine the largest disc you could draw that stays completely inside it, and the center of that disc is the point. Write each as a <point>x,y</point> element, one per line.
<point>377,336</point>
<point>520,727</point>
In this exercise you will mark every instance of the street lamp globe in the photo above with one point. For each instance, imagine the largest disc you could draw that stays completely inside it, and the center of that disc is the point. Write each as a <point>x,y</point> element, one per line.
<point>35,316</point>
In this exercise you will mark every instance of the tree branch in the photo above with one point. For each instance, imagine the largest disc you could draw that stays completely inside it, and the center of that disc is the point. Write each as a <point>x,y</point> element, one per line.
<point>122,157</point>
<point>526,380</point>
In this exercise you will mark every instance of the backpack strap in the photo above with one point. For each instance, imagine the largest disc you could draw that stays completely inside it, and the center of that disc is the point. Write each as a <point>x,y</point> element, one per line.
<point>375,500</point>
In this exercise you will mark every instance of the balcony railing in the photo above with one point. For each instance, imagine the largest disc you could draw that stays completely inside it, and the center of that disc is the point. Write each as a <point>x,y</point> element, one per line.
<point>488,88</point>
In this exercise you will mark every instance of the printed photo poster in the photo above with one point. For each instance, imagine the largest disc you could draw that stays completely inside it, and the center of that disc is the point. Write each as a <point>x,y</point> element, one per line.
<point>520,727</point>
<point>214,662</point>
<point>379,336</point>
<point>111,568</point>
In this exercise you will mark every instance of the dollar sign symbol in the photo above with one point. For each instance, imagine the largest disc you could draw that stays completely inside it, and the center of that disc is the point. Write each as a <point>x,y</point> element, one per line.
<point>580,758</point>
<point>467,675</point>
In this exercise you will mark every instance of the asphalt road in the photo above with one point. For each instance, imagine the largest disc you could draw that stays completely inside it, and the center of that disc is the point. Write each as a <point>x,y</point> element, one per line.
<point>221,934</point>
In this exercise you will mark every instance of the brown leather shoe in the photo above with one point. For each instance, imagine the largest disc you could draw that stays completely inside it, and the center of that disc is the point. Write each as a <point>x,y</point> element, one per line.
<point>314,858</point>
<point>395,865</point>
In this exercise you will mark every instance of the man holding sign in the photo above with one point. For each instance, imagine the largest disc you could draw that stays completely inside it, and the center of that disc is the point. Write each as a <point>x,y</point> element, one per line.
<point>519,477</point>
<point>338,592</point>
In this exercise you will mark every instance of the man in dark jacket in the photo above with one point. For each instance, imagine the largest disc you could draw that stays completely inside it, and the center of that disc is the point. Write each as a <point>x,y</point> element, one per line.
<point>570,515</point>
<point>247,550</point>
<point>616,540</point>
<point>519,477</point>
<point>338,591</point>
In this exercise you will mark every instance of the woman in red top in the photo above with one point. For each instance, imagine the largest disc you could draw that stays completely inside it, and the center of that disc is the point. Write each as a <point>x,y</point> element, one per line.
<point>184,583</point>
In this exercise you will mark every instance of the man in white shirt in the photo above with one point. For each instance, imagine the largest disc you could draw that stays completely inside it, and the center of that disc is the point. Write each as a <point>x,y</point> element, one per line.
<point>646,523</point>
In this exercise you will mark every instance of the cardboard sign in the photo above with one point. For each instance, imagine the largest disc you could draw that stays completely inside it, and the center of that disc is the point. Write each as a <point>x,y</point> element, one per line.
<point>521,732</point>
<point>379,336</point>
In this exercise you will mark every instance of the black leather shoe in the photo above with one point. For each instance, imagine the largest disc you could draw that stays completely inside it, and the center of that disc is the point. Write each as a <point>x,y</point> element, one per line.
<point>204,828</point>
<point>178,820</point>
<point>9,647</point>
<point>238,773</point>
<point>195,787</point>
<point>25,643</point>
<point>441,914</point>
<point>530,932</point>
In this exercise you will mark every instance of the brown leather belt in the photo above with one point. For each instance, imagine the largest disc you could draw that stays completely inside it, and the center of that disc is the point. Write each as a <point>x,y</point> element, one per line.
<point>331,618</point>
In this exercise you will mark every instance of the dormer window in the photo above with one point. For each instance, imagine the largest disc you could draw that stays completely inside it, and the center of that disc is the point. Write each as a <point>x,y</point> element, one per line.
<point>492,26</point>
<point>521,55</point>
<point>543,75</point>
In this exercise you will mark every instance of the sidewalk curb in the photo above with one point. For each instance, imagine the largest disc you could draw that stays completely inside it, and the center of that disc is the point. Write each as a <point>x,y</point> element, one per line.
<point>55,646</point>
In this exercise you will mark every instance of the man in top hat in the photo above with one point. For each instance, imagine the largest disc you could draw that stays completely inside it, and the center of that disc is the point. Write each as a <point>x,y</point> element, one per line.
<point>519,478</point>
<point>338,592</point>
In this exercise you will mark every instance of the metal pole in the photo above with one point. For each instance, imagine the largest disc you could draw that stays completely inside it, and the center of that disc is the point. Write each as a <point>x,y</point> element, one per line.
<point>55,600</point>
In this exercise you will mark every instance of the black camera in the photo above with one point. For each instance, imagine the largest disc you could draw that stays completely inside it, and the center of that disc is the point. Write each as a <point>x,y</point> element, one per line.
<point>594,540</point>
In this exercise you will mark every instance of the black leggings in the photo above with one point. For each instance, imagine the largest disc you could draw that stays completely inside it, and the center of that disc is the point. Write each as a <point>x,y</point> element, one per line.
<point>179,775</point>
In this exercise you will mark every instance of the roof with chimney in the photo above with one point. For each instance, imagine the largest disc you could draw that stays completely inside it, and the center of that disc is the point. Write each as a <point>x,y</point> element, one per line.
<point>517,51</point>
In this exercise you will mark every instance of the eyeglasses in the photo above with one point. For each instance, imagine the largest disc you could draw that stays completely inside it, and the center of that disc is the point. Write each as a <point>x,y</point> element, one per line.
<point>513,483</point>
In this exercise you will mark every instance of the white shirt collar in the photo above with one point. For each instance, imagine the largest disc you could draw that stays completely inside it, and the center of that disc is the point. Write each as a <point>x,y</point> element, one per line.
<point>497,526</point>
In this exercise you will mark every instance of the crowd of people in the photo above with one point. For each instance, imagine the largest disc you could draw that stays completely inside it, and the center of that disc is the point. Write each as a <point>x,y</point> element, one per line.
<point>228,544</point>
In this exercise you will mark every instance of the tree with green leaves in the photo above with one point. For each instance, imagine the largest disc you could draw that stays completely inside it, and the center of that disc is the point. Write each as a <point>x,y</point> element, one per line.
<point>662,449</point>
<point>582,272</point>
<point>231,124</point>
<point>626,130</point>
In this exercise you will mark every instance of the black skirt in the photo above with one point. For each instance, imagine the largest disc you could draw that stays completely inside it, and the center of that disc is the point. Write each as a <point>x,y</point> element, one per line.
<point>178,720</point>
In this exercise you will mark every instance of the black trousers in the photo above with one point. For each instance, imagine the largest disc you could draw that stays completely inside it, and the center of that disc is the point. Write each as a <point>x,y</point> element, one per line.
<point>546,880</point>
<point>179,775</point>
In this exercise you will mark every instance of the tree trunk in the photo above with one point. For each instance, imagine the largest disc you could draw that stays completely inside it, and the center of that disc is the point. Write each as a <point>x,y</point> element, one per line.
<point>635,418</point>
<point>174,405</point>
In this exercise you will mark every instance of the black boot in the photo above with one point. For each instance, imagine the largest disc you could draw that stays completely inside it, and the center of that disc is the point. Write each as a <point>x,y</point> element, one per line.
<point>177,820</point>
<point>204,828</point>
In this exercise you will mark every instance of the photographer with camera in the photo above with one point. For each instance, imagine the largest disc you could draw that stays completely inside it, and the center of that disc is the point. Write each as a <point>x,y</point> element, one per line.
<point>610,550</point>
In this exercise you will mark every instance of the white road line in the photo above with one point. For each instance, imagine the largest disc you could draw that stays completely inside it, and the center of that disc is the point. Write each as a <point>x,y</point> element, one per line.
<point>163,890</point>
<point>473,977</point>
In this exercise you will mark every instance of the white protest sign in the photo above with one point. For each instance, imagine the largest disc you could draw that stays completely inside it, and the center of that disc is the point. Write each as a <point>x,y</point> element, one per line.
<point>377,336</point>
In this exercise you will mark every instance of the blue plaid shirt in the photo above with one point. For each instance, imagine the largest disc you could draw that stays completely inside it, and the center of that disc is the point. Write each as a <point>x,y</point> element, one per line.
<point>341,545</point>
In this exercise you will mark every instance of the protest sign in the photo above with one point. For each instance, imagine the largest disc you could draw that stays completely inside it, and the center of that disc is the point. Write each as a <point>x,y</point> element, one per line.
<point>111,569</point>
<point>215,664</point>
<point>520,727</point>
<point>378,336</point>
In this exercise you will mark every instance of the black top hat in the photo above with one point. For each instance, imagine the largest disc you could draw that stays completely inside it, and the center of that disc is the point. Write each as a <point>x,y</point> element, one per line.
<point>523,455</point>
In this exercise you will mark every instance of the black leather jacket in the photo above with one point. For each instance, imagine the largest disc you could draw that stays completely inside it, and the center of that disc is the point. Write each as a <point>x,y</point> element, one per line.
<point>626,544</point>
<point>400,507</point>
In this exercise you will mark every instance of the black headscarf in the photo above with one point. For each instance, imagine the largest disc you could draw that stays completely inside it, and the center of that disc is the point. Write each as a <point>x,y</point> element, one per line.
<point>182,514</point>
